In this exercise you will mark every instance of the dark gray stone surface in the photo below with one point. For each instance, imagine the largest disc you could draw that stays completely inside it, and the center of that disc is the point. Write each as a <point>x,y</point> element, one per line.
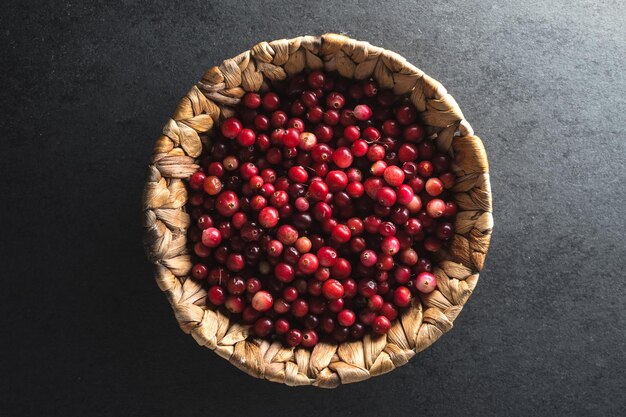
<point>85,91</point>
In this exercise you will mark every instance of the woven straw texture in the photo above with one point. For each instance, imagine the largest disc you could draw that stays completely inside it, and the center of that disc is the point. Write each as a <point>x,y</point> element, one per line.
<point>174,160</point>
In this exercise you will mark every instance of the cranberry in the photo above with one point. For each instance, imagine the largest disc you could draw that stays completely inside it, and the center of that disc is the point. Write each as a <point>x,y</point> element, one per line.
<point>351,133</point>
<point>432,244</point>
<point>368,258</point>
<point>299,308</point>
<point>425,169</point>
<point>253,285</point>
<point>381,325</point>
<point>231,127</point>
<point>346,317</point>
<point>284,272</point>
<point>386,196</point>
<point>394,175</point>
<point>199,271</point>
<point>309,338</point>
<point>252,100</point>
<point>413,133</point>
<point>281,326</point>
<point>389,311</point>
<point>335,100</point>
<point>406,114</point>
<point>341,334</point>
<point>342,157</point>
<point>293,337</point>
<point>434,186</point>
<point>378,168</point>
<point>375,302</point>
<point>367,287</point>
<point>402,296</point>
<point>362,112</point>
<point>234,304</point>
<point>425,282</point>
<point>216,295</point>
<point>212,185</point>
<point>308,263</point>
<point>336,180</point>
<point>316,79</point>
<point>227,203</point>
<point>211,237</point>
<point>341,269</point>
<point>376,153</point>
<point>196,181</point>
<point>271,101</point>
<point>436,208</point>
<point>341,233</point>
<point>332,289</point>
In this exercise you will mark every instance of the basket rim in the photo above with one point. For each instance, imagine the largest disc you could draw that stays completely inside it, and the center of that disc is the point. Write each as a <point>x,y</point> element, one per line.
<point>165,220</point>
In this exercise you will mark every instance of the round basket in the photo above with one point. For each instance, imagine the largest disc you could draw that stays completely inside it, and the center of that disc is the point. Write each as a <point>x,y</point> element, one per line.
<point>166,221</point>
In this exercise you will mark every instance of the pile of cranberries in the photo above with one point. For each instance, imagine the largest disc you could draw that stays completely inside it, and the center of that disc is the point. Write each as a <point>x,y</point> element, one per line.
<point>316,209</point>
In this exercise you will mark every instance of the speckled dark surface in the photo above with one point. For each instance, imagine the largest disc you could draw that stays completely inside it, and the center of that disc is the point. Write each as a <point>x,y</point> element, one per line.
<point>85,91</point>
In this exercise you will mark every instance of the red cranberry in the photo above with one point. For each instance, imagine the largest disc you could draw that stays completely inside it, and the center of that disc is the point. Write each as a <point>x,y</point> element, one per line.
<point>341,269</point>
<point>309,338</point>
<point>299,308</point>
<point>389,311</point>
<point>402,296</point>
<point>368,258</point>
<point>425,169</point>
<point>332,289</point>
<point>386,196</point>
<point>212,185</point>
<point>355,189</point>
<point>262,301</point>
<point>308,263</point>
<point>335,101</point>
<point>199,271</point>
<point>211,237</point>
<point>394,175</point>
<point>376,153</point>
<point>281,326</point>
<point>231,127</point>
<point>375,302</point>
<point>316,79</point>
<point>367,287</point>
<point>284,272</point>
<point>362,112</point>
<point>425,282</point>
<point>341,233</point>
<point>271,101</point>
<point>342,157</point>
<point>341,334</point>
<point>346,318</point>
<point>293,337</point>
<point>432,244</point>
<point>434,186</point>
<point>235,262</point>
<point>216,295</point>
<point>196,181</point>
<point>378,168</point>
<point>227,203</point>
<point>336,180</point>
<point>268,217</point>
<point>252,100</point>
<point>436,208</point>
<point>413,133</point>
<point>234,304</point>
<point>381,325</point>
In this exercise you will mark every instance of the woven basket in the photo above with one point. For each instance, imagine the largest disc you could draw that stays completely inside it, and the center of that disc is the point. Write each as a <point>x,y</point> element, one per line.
<point>174,159</point>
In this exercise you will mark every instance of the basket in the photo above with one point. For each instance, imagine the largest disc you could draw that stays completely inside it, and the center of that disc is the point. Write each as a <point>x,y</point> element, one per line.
<point>165,220</point>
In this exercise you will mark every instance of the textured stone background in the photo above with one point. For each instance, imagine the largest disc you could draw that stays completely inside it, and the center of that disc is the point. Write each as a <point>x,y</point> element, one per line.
<point>85,91</point>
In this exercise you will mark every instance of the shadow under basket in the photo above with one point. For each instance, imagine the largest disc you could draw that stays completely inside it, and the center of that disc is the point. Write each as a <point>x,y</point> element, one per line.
<point>174,159</point>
